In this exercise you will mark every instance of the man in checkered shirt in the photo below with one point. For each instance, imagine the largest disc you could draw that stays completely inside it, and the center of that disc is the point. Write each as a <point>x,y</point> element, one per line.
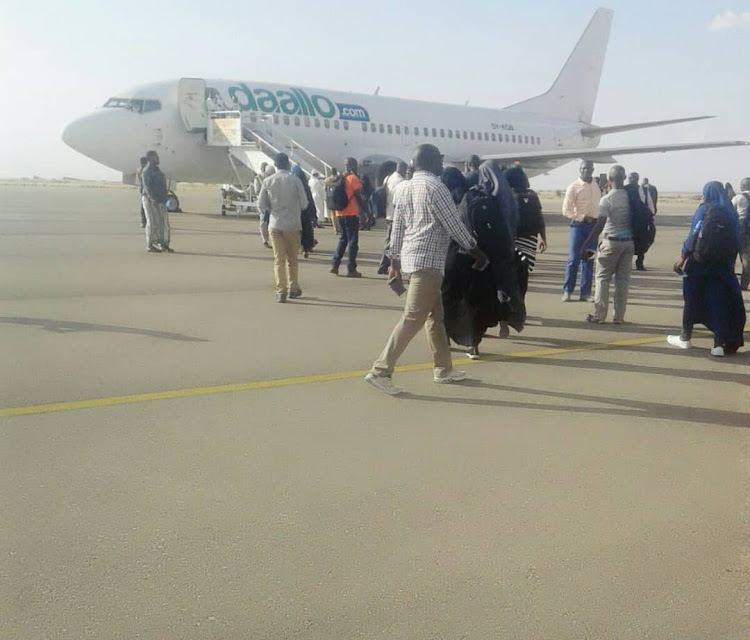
<point>424,222</point>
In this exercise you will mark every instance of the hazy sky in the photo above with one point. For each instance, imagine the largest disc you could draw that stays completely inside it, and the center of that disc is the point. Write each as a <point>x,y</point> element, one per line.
<point>666,59</point>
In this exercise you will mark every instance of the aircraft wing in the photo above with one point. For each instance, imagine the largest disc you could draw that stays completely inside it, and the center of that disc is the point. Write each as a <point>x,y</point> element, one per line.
<point>604,155</point>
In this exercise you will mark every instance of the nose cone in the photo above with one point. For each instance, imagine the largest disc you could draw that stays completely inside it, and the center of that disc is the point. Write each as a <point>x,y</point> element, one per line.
<point>76,135</point>
<point>109,136</point>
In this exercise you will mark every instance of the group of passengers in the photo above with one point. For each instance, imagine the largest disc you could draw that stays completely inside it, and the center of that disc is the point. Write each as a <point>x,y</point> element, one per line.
<point>476,235</point>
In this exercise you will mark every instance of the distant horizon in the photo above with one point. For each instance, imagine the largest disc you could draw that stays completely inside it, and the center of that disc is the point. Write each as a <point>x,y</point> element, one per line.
<point>105,181</point>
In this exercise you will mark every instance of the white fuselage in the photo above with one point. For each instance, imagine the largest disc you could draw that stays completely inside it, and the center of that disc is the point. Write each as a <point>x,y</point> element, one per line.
<point>334,125</point>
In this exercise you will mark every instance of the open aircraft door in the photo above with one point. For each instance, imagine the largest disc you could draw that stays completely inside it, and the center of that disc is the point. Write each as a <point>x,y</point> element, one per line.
<point>191,98</point>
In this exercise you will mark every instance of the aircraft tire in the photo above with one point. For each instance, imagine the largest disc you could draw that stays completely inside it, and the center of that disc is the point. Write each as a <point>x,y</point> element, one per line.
<point>175,208</point>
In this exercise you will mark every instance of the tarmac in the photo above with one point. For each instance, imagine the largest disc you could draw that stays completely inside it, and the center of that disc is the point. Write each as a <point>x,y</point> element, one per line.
<point>183,458</point>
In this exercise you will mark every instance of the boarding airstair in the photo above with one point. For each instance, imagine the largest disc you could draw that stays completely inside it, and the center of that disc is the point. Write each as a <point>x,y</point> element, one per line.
<point>250,139</point>
<point>257,143</point>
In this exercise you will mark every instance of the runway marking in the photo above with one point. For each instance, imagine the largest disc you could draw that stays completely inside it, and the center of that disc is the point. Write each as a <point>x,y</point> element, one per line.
<point>287,382</point>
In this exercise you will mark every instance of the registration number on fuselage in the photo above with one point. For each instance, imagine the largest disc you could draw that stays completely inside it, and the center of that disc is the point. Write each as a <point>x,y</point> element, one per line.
<point>502,127</point>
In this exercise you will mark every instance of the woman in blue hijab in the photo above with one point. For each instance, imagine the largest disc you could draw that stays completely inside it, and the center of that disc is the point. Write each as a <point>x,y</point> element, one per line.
<point>711,291</point>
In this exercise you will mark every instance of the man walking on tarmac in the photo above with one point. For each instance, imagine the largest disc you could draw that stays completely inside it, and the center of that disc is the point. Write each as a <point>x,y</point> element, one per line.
<point>154,200</point>
<point>348,222</point>
<point>424,222</point>
<point>284,196</point>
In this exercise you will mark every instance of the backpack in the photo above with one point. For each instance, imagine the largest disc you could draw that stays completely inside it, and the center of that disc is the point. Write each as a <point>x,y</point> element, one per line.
<point>378,201</point>
<point>336,198</point>
<point>715,243</point>
<point>530,222</point>
<point>641,221</point>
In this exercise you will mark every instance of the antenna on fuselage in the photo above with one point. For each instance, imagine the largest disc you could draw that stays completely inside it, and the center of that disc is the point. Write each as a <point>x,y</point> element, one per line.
<point>377,91</point>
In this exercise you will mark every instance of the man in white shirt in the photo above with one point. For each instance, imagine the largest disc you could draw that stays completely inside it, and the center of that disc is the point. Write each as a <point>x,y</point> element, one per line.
<point>424,222</point>
<point>391,183</point>
<point>318,190</point>
<point>580,206</point>
<point>284,196</point>
<point>741,203</point>
<point>648,195</point>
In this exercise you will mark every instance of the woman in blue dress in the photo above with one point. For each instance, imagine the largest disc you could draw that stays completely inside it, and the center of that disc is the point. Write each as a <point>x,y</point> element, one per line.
<point>711,291</point>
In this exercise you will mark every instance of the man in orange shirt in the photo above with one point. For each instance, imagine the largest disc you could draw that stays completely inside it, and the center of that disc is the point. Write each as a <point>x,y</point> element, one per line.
<point>348,223</point>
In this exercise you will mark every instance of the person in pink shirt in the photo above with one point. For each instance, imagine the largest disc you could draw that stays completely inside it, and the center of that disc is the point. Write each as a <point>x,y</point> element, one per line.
<point>580,206</point>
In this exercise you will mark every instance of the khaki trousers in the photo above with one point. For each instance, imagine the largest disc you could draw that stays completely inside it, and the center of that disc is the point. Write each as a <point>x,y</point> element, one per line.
<point>423,308</point>
<point>285,259</point>
<point>615,258</point>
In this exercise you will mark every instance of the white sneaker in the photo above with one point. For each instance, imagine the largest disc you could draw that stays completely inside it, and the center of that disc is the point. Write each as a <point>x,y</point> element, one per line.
<point>454,375</point>
<point>383,383</point>
<point>566,297</point>
<point>676,341</point>
<point>718,352</point>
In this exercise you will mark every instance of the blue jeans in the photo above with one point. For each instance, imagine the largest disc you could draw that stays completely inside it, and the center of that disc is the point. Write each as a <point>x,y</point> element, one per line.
<point>579,231</point>
<point>348,240</point>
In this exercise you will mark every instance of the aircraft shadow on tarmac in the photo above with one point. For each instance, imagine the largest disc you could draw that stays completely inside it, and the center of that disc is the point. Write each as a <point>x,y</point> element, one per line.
<point>618,406</point>
<point>64,326</point>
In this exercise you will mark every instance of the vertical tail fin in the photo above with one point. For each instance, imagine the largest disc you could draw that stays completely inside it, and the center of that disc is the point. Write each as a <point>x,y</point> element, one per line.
<point>573,94</point>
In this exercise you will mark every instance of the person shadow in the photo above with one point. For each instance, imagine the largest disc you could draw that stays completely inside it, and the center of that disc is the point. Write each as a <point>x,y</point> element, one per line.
<point>626,407</point>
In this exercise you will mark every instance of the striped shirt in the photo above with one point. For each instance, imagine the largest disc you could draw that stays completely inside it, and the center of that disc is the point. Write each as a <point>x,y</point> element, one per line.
<point>424,221</point>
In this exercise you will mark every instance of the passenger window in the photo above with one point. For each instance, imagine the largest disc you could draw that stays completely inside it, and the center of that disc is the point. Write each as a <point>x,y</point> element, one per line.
<point>286,120</point>
<point>465,136</point>
<point>373,128</point>
<point>326,124</point>
<point>398,129</point>
<point>317,123</point>
<point>336,124</point>
<point>458,134</point>
<point>307,122</point>
<point>364,127</point>
<point>406,130</point>
<point>390,128</point>
<point>296,121</point>
<point>514,137</point>
<point>426,132</point>
<point>472,135</point>
<point>442,133</point>
<point>507,138</point>
<point>526,139</point>
<point>276,118</point>
<point>493,137</point>
<point>346,125</point>
<point>538,140</point>
<point>434,132</point>
<point>479,135</point>
<point>450,133</point>
<point>381,128</point>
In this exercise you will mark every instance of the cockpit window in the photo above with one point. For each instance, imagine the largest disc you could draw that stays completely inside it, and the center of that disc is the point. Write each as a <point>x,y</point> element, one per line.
<point>139,106</point>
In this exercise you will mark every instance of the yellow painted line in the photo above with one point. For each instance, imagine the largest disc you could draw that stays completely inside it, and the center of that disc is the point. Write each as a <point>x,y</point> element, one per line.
<point>287,382</point>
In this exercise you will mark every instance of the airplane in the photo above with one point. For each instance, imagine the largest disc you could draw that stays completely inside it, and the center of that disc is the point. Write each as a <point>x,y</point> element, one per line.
<point>220,131</point>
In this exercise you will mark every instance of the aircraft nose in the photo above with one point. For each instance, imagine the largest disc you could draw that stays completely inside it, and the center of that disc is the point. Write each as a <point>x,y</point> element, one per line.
<point>77,135</point>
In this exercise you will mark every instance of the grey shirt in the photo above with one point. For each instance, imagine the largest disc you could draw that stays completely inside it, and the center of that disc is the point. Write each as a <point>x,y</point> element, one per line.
<point>741,203</point>
<point>284,196</point>
<point>616,209</point>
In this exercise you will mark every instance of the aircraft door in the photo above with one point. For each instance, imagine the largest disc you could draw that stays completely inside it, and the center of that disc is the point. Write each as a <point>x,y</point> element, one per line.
<point>191,98</point>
